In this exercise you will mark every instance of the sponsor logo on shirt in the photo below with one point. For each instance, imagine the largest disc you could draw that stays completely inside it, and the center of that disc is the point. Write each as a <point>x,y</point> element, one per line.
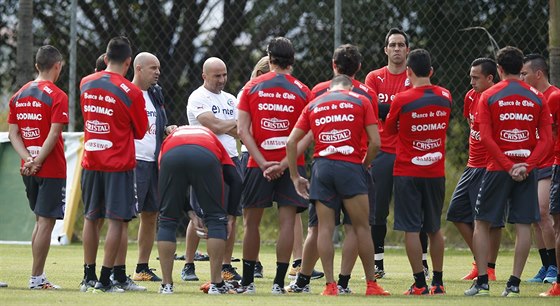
<point>152,129</point>
<point>475,135</point>
<point>407,82</point>
<point>274,143</point>
<point>428,159</point>
<point>98,110</point>
<point>428,127</point>
<point>334,118</point>
<point>48,90</point>
<point>514,135</point>
<point>275,124</point>
<point>216,110</point>
<point>29,116</point>
<point>107,99</point>
<point>518,153</point>
<point>30,133</point>
<point>276,107</point>
<point>230,102</point>
<point>97,145</point>
<point>516,116</point>
<point>380,78</point>
<point>344,150</point>
<point>97,127</point>
<point>33,150</point>
<point>384,98</point>
<point>426,145</point>
<point>335,136</point>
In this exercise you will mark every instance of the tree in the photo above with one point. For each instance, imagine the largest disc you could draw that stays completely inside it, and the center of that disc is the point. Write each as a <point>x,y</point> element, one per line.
<point>24,66</point>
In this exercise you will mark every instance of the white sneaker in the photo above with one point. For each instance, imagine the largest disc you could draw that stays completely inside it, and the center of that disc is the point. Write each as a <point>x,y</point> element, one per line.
<point>346,290</point>
<point>294,288</point>
<point>276,289</point>
<point>166,289</point>
<point>249,289</point>
<point>225,289</point>
<point>129,285</point>
<point>41,282</point>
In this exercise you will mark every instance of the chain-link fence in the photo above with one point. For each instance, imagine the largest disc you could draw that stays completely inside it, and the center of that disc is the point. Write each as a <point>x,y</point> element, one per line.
<point>184,33</point>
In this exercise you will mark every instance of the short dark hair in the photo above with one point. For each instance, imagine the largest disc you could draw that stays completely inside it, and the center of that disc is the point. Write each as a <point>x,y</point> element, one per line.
<point>118,50</point>
<point>537,62</point>
<point>487,66</point>
<point>347,59</point>
<point>420,62</point>
<point>46,57</point>
<point>396,31</point>
<point>510,59</point>
<point>100,63</point>
<point>281,52</point>
<point>341,79</point>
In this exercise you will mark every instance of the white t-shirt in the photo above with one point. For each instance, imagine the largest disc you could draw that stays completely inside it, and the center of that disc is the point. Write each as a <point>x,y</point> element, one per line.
<point>222,105</point>
<point>146,147</point>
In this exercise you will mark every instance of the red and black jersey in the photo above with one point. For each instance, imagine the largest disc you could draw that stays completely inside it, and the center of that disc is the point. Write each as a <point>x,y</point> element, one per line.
<point>516,112</point>
<point>420,117</point>
<point>554,105</point>
<point>196,135</point>
<point>548,159</point>
<point>478,156</point>
<point>387,85</point>
<point>274,101</point>
<point>36,106</point>
<point>114,114</point>
<point>357,87</point>
<point>338,120</point>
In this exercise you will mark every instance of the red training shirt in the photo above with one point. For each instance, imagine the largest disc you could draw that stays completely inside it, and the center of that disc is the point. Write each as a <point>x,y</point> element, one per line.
<point>548,159</point>
<point>36,106</point>
<point>420,117</point>
<point>478,156</point>
<point>554,105</point>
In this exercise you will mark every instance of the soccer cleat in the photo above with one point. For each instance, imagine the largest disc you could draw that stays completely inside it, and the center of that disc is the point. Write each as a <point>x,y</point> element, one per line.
<point>317,274</point>
<point>491,274</point>
<point>42,283</point>
<point>225,289</point>
<point>128,285</point>
<point>188,273</point>
<point>379,273</point>
<point>478,290</point>
<point>552,291</point>
<point>166,289</point>
<point>473,273</point>
<point>230,274</point>
<point>437,290</point>
<point>539,277</point>
<point>342,290</point>
<point>258,270</point>
<point>294,271</point>
<point>426,273</point>
<point>550,276</point>
<point>146,275</point>
<point>87,286</point>
<point>511,291</point>
<point>99,288</point>
<point>330,289</point>
<point>413,290</point>
<point>277,289</point>
<point>373,288</point>
<point>249,289</point>
<point>294,288</point>
<point>201,257</point>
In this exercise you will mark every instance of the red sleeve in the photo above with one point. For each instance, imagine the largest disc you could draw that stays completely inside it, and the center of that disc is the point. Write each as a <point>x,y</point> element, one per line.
<point>59,111</point>
<point>243,99</point>
<point>392,120</point>
<point>467,105</point>
<point>544,143</point>
<point>370,81</point>
<point>138,115</point>
<point>370,115</point>
<point>303,120</point>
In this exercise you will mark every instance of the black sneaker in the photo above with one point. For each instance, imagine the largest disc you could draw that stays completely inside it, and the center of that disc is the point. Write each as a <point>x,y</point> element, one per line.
<point>258,270</point>
<point>188,273</point>
<point>230,274</point>
<point>317,274</point>
<point>201,257</point>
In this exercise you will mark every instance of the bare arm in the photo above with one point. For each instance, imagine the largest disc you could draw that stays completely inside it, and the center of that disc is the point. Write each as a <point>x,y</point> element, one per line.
<point>293,148</point>
<point>218,126</point>
<point>17,142</point>
<point>244,131</point>
<point>50,142</point>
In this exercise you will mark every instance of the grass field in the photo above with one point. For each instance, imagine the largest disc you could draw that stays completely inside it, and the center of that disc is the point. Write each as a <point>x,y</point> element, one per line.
<point>64,267</point>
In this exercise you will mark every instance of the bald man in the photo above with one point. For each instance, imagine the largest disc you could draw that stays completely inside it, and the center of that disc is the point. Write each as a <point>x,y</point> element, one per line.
<point>212,107</point>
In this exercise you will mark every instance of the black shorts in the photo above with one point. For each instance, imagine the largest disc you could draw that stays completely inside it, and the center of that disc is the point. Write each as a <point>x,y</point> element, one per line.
<point>146,176</point>
<point>555,191</point>
<point>463,201</point>
<point>418,203</point>
<point>243,160</point>
<point>380,196</point>
<point>108,195</point>
<point>216,225</point>
<point>314,221</point>
<point>498,192</point>
<point>544,173</point>
<point>258,192</point>
<point>196,166</point>
<point>46,196</point>
<point>194,200</point>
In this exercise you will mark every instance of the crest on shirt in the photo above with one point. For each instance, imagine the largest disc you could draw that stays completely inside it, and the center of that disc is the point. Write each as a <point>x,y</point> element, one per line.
<point>30,133</point>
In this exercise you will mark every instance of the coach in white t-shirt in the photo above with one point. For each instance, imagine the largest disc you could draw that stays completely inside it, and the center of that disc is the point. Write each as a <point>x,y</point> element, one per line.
<point>215,109</point>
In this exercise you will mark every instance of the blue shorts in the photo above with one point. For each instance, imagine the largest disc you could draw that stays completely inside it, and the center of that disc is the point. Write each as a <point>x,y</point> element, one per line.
<point>108,195</point>
<point>46,196</point>
<point>380,196</point>
<point>555,191</point>
<point>498,192</point>
<point>146,178</point>
<point>258,192</point>
<point>418,203</point>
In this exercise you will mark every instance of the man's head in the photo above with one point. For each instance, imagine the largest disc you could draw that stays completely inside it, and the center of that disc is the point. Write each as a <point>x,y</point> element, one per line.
<point>535,70</point>
<point>47,59</point>
<point>396,46</point>
<point>419,63</point>
<point>100,64</point>
<point>347,60</point>
<point>261,67</point>
<point>341,82</point>
<point>483,73</point>
<point>119,53</point>
<point>146,70</point>
<point>281,52</point>
<point>214,73</point>
<point>510,61</point>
